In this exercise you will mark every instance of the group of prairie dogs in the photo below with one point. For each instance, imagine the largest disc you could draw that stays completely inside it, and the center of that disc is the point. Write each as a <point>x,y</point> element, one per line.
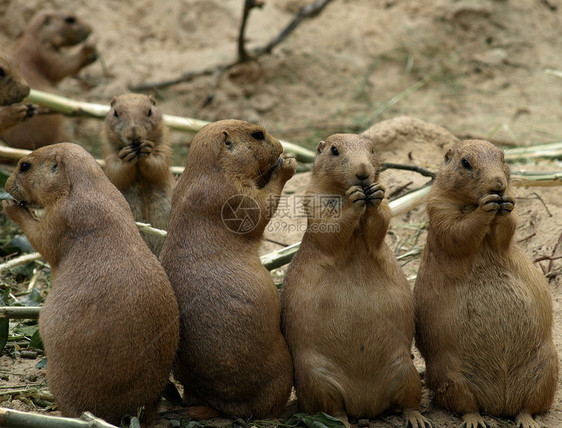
<point>341,333</point>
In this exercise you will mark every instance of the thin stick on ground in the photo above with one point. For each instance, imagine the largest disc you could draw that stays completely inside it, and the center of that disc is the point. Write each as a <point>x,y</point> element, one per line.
<point>10,418</point>
<point>308,11</point>
<point>19,313</point>
<point>21,260</point>
<point>72,107</point>
<point>414,168</point>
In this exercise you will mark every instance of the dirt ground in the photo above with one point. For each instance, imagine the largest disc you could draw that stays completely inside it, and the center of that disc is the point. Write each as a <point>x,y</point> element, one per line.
<point>479,68</point>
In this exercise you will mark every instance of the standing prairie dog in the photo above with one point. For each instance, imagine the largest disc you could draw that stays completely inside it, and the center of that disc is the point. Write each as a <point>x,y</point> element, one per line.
<point>483,311</point>
<point>137,160</point>
<point>110,321</point>
<point>347,308</point>
<point>13,89</point>
<point>44,63</point>
<point>232,355</point>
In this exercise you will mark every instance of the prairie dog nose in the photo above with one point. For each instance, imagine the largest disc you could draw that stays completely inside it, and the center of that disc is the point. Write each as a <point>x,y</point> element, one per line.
<point>362,171</point>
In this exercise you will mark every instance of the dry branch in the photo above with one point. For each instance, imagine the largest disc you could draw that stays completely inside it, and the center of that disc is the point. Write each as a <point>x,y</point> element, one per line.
<point>21,260</point>
<point>308,11</point>
<point>10,418</point>
<point>544,151</point>
<point>19,313</point>
<point>414,168</point>
<point>536,179</point>
<point>72,107</point>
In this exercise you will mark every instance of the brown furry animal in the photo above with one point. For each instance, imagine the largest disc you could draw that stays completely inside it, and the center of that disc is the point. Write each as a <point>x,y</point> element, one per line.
<point>110,322</point>
<point>43,63</point>
<point>13,89</point>
<point>484,312</point>
<point>347,308</point>
<point>232,355</point>
<point>137,160</point>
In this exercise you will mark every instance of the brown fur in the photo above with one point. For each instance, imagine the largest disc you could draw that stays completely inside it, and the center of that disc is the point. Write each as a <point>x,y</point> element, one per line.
<point>347,308</point>
<point>137,160</point>
<point>484,312</point>
<point>110,322</point>
<point>43,63</point>
<point>232,355</point>
<point>13,89</point>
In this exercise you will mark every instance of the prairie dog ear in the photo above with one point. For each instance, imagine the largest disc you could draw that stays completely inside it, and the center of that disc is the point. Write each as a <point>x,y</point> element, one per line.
<point>59,168</point>
<point>448,156</point>
<point>113,101</point>
<point>226,140</point>
<point>320,147</point>
<point>152,100</point>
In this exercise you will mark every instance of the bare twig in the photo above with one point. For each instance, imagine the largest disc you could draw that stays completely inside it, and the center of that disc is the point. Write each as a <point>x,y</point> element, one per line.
<point>308,11</point>
<point>10,418</point>
<point>543,258</point>
<point>21,260</point>
<point>399,190</point>
<point>418,169</point>
<point>19,313</point>
<point>558,244</point>
<point>243,55</point>
<point>72,107</point>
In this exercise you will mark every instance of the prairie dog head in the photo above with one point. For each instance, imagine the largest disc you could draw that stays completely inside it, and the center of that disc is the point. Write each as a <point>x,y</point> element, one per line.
<point>473,168</point>
<point>133,119</point>
<point>54,172</point>
<point>13,87</point>
<point>58,28</point>
<point>241,150</point>
<point>345,160</point>
<point>39,179</point>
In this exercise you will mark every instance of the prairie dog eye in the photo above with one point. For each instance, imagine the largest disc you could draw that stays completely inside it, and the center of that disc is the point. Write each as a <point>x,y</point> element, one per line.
<point>465,163</point>
<point>115,114</point>
<point>25,166</point>
<point>70,20</point>
<point>258,135</point>
<point>334,151</point>
<point>149,113</point>
<point>2,73</point>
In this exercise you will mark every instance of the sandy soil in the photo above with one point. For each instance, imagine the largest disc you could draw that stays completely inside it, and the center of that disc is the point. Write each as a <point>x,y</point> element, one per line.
<point>477,67</point>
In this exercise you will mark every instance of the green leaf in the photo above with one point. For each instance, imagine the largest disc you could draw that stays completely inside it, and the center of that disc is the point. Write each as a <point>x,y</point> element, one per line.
<point>4,329</point>
<point>319,420</point>
<point>28,330</point>
<point>36,341</point>
<point>41,364</point>
<point>34,298</point>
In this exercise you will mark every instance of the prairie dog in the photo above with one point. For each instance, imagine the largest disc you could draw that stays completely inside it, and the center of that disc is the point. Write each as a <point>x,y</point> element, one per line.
<point>110,322</point>
<point>137,160</point>
<point>43,62</point>
<point>232,355</point>
<point>347,308</point>
<point>483,311</point>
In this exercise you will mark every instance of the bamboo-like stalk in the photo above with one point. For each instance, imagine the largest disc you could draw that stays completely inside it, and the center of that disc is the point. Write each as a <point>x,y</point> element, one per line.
<point>70,107</point>
<point>536,179</point>
<point>19,313</point>
<point>146,227</point>
<point>21,260</point>
<point>538,151</point>
<point>280,257</point>
<point>10,418</point>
